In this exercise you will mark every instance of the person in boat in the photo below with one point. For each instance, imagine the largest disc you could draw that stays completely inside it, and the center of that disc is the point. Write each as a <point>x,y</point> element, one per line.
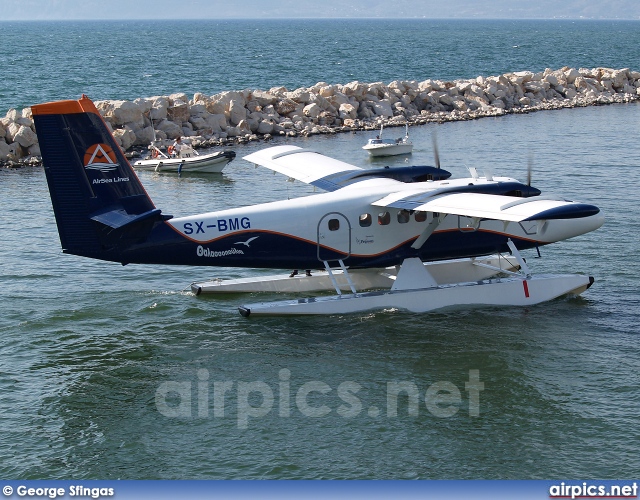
<point>177,146</point>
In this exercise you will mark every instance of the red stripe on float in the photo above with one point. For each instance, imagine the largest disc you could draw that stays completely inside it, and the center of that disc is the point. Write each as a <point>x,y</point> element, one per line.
<point>526,288</point>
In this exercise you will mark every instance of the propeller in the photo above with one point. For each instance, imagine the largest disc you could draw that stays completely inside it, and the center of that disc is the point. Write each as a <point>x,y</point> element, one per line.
<point>529,169</point>
<point>436,155</point>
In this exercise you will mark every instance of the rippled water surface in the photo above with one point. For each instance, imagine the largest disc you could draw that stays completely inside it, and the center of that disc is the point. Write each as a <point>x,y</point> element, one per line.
<point>86,345</point>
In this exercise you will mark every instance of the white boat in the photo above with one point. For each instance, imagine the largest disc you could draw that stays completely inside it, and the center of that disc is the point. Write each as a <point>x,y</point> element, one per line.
<point>187,160</point>
<point>389,147</point>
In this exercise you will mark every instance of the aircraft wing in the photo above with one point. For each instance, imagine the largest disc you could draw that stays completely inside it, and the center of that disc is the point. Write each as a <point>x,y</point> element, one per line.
<point>330,174</point>
<point>489,206</point>
<point>304,165</point>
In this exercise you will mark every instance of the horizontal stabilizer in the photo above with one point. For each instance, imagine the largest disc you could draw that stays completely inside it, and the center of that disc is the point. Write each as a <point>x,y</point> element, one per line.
<point>118,219</point>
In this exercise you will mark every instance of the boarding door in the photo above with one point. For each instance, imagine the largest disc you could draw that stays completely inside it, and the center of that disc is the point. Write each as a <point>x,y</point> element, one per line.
<point>334,237</point>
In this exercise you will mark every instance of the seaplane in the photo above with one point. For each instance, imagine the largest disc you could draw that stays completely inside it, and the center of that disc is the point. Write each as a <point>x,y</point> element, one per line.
<point>409,238</point>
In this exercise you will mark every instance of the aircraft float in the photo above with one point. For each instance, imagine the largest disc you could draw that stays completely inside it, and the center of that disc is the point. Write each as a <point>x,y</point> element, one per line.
<point>409,238</point>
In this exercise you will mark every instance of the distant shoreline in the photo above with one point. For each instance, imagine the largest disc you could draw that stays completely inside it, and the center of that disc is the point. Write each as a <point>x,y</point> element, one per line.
<point>237,117</point>
<point>579,19</point>
<point>320,19</point>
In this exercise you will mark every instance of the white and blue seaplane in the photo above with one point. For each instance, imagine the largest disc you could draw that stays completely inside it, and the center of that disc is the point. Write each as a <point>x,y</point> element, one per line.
<point>408,238</point>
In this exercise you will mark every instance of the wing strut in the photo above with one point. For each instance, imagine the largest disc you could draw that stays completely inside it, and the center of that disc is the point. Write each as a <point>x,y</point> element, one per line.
<point>516,253</point>
<point>428,231</point>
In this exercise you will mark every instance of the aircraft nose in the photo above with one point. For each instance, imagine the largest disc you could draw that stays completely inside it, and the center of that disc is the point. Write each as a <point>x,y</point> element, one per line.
<point>562,229</point>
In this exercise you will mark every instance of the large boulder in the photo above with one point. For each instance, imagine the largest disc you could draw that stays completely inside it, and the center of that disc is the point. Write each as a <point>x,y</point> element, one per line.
<point>178,98</point>
<point>12,130</point>
<point>377,89</point>
<point>397,85</point>
<point>237,112</point>
<point>198,122</point>
<point>124,137</point>
<point>263,98</point>
<point>323,102</point>
<point>145,104</point>
<point>178,111</point>
<point>125,112</point>
<point>299,95</point>
<point>265,127</point>
<point>158,110</point>
<point>34,150</point>
<point>285,106</point>
<point>328,90</point>
<point>217,123</point>
<point>25,137</point>
<point>171,129</point>
<point>312,110</point>
<point>13,115</point>
<point>383,108</point>
<point>571,75</point>
<point>355,89</point>
<point>348,111</point>
<point>198,110</point>
<point>619,78</point>
<point>219,103</point>
<point>199,98</point>
<point>144,136</point>
<point>27,122</point>
<point>364,111</point>
<point>240,130</point>
<point>5,151</point>
<point>339,98</point>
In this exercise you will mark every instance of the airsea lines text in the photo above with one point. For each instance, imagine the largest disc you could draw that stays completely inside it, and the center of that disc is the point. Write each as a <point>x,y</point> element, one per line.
<point>107,181</point>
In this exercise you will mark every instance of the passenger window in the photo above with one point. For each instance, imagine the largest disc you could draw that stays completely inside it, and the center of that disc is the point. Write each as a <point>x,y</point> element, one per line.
<point>403,216</point>
<point>384,218</point>
<point>334,224</point>
<point>420,216</point>
<point>365,220</point>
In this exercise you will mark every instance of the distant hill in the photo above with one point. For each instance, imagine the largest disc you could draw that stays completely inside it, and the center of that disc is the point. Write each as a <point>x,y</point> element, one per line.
<point>433,9</point>
<point>487,9</point>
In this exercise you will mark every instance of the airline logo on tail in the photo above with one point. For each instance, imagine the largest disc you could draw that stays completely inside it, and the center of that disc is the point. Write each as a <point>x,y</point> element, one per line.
<point>100,157</point>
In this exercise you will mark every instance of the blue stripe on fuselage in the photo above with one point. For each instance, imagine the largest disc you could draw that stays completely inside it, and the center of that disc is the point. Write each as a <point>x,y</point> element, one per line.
<point>264,249</point>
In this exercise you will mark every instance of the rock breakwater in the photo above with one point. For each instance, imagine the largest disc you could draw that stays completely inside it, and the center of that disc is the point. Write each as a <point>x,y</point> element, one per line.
<point>239,116</point>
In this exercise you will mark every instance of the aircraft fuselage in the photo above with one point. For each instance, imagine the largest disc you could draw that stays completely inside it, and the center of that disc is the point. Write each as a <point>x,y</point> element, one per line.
<point>303,232</point>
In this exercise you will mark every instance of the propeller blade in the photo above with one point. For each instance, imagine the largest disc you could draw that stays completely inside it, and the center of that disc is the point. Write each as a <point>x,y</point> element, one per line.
<point>529,169</point>
<point>436,155</point>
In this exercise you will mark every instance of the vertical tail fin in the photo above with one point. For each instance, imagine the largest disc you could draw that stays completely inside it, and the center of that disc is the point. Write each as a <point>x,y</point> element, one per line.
<point>99,203</point>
